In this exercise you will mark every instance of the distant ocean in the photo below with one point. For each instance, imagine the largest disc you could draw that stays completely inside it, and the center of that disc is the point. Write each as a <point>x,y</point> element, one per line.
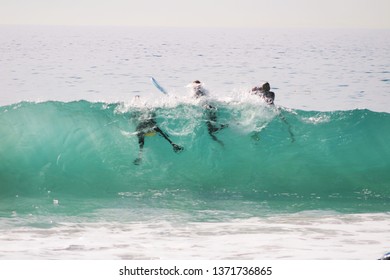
<point>308,178</point>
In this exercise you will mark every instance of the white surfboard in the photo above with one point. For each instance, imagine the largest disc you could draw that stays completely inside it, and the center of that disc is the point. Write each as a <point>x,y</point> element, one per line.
<point>158,86</point>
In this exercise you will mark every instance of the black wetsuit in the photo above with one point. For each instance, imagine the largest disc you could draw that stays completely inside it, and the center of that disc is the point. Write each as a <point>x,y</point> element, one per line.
<point>144,127</point>
<point>211,113</point>
<point>268,96</point>
<point>147,125</point>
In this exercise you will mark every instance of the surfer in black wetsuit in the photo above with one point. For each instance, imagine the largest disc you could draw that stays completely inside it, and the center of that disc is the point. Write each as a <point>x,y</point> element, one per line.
<point>198,89</point>
<point>211,111</point>
<point>265,92</point>
<point>147,126</point>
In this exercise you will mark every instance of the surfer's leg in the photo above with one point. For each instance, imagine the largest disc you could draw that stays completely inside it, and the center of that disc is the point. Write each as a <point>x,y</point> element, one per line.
<point>175,147</point>
<point>283,118</point>
<point>211,128</point>
<point>141,143</point>
<point>159,131</point>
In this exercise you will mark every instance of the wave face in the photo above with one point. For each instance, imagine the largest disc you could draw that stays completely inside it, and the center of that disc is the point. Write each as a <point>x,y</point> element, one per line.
<point>88,149</point>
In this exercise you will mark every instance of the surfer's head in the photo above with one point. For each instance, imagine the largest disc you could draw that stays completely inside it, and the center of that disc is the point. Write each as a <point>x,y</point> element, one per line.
<point>385,256</point>
<point>196,84</point>
<point>265,87</point>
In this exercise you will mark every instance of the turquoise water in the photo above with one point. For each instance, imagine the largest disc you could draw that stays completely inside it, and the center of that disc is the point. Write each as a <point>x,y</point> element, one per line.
<point>272,159</point>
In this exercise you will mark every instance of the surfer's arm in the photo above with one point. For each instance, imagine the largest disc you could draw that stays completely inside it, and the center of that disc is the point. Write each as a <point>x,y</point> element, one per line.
<point>283,119</point>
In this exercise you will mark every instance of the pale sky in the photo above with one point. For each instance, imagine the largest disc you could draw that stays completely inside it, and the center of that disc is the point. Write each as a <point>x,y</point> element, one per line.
<point>200,13</point>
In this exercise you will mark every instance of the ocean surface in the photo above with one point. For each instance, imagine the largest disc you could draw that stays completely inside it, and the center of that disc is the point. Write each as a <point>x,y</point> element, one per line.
<point>308,178</point>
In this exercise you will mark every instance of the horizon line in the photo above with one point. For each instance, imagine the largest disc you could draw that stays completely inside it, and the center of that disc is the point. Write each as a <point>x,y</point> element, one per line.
<point>193,27</point>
